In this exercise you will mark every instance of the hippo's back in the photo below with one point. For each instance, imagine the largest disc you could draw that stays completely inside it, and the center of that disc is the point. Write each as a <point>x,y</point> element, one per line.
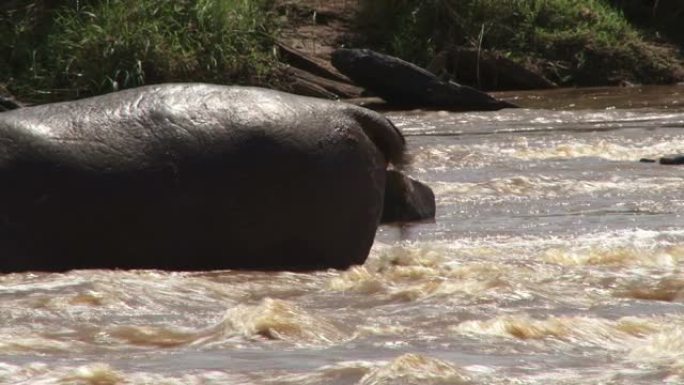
<point>136,126</point>
<point>190,176</point>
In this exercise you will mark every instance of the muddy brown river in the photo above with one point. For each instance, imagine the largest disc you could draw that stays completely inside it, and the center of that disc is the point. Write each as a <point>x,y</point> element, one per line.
<point>556,258</point>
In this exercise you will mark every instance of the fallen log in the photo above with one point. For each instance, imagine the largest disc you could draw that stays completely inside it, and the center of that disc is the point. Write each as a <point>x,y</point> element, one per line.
<point>322,87</point>
<point>487,70</point>
<point>309,63</point>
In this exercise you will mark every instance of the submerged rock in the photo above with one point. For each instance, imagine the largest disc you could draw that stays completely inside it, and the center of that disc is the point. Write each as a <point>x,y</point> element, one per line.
<point>402,83</point>
<point>672,159</point>
<point>667,159</point>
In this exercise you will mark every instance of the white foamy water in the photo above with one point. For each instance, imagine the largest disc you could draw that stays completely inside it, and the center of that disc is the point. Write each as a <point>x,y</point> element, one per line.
<point>556,258</point>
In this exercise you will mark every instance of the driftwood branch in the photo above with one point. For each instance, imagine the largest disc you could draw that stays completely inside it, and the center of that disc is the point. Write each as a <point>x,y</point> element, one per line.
<point>339,89</point>
<point>311,76</point>
<point>309,63</point>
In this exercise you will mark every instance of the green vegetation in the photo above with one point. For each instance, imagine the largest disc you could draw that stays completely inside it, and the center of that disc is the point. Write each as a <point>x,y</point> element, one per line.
<point>663,18</point>
<point>53,50</point>
<point>64,49</point>
<point>572,42</point>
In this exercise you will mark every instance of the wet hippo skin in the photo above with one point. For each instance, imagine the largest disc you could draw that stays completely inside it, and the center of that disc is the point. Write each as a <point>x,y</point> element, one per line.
<point>190,177</point>
<point>406,199</point>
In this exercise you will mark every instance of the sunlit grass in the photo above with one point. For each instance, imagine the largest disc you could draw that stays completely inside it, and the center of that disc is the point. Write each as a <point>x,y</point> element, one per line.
<point>81,48</point>
<point>578,41</point>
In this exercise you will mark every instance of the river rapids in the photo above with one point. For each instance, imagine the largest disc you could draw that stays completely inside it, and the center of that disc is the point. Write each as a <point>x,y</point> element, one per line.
<point>556,258</point>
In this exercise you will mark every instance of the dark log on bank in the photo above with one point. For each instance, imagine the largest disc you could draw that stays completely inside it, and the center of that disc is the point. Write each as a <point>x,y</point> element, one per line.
<point>487,70</point>
<point>402,83</point>
<point>306,83</point>
<point>309,63</point>
<point>312,76</point>
<point>300,85</point>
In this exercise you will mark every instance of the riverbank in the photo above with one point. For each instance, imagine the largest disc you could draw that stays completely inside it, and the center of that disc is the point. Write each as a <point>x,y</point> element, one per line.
<point>570,43</point>
<point>62,50</point>
<point>55,50</point>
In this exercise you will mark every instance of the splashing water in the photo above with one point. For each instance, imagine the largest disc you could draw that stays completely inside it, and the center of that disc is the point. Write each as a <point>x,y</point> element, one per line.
<point>556,257</point>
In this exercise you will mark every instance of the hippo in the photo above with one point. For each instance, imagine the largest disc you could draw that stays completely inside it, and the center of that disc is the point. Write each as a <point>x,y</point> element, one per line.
<point>406,199</point>
<point>192,177</point>
<point>405,84</point>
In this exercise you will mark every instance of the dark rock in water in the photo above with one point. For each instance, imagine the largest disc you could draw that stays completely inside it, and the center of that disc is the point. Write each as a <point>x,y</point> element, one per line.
<point>647,160</point>
<point>192,177</point>
<point>402,83</point>
<point>672,159</point>
<point>406,199</point>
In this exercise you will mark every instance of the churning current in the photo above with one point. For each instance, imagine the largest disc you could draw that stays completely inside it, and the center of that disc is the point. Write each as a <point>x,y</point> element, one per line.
<point>556,258</point>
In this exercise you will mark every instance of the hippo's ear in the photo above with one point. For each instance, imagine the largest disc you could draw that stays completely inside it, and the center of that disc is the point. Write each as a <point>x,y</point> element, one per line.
<point>385,135</point>
<point>402,158</point>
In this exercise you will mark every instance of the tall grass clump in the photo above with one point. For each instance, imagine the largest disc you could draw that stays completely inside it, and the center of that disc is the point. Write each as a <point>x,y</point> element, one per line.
<point>81,48</point>
<point>664,19</point>
<point>579,42</point>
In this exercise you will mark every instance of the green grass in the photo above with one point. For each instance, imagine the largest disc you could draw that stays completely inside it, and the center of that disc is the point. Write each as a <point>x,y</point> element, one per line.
<point>662,19</point>
<point>82,48</point>
<point>64,49</point>
<point>576,42</point>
